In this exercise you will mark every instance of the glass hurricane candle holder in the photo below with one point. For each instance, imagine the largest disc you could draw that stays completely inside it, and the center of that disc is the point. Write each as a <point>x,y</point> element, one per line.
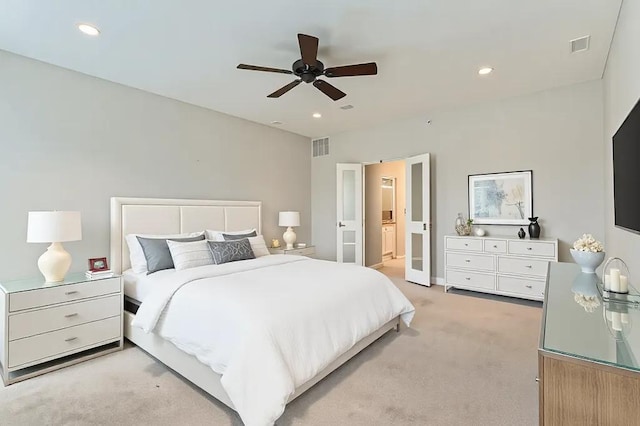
<point>615,276</point>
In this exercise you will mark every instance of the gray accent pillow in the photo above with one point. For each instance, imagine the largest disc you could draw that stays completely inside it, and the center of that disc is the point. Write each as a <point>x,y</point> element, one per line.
<point>231,251</point>
<point>231,237</point>
<point>157,253</point>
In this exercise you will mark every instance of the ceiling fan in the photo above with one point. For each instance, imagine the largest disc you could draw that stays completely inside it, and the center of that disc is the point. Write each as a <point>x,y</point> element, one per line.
<point>309,68</point>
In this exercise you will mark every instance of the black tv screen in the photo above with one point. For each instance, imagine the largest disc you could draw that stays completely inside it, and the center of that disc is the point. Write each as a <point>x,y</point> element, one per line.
<point>626,172</point>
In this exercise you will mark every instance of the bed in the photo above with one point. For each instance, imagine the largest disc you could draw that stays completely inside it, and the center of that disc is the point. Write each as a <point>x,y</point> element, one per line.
<point>254,334</point>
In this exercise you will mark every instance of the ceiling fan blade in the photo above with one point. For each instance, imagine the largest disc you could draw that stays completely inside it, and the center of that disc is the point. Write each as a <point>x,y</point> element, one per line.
<point>281,91</point>
<point>329,90</point>
<point>369,68</point>
<point>266,69</point>
<point>308,49</point>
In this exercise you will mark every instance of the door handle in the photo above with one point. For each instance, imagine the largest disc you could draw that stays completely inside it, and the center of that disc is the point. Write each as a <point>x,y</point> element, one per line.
<point>424,226</point>
<point>341,225</point>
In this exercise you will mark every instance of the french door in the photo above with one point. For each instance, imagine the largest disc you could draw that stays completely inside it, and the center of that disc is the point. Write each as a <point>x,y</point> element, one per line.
<point>418,221</point>
<point>349,218</point>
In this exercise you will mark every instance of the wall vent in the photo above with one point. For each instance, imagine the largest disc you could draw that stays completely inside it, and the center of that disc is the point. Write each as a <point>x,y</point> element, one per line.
<point>580,44</point>
<point>320,147</point>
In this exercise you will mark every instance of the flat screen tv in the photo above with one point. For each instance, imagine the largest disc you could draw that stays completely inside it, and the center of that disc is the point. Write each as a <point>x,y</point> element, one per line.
<point>626,172</point>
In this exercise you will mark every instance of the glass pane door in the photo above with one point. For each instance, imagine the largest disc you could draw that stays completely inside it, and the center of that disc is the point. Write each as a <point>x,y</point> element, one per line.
<point>418,228</point>
<point>349,214</point>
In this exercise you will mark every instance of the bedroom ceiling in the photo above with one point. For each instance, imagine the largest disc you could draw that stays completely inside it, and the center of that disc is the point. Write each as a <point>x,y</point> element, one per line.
<point>428,51</point>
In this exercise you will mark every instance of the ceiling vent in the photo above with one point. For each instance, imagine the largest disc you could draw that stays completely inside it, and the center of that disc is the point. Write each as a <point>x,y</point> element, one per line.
<point>346,107</point>
<point>320,147</point>
<point>580,44</point>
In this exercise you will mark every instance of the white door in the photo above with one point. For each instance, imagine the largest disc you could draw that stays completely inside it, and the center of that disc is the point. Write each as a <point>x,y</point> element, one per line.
<point>349,218</point>
<point>418,221</point>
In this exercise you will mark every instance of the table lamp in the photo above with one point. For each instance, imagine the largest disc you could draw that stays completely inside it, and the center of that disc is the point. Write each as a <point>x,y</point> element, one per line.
<point>54,227</point>
<point>289,219</point>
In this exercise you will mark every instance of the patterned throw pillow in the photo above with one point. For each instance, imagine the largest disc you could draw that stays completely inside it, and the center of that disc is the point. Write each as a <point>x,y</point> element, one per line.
<point>190,255</point>
<point>230,251</point>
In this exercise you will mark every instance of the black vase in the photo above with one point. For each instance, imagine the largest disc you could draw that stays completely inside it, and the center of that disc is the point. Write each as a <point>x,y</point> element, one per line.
<point>534,228</point>
<point>521,233</point>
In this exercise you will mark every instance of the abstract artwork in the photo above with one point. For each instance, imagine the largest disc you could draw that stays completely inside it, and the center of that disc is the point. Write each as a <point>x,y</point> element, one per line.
<point>501,198</point>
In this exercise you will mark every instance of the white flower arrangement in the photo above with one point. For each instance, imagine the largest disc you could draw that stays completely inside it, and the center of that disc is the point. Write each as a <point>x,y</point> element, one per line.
<point>588,243</point>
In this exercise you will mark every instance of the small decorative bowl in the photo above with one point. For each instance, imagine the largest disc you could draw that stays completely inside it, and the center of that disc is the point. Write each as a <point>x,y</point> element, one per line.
<point>587,260</point>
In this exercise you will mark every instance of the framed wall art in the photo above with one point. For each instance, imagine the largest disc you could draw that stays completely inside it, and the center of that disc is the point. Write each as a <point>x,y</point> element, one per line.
<point>501,198</point>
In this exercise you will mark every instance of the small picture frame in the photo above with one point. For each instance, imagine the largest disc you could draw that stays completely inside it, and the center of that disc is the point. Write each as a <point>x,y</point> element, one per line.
<point>98,264</point>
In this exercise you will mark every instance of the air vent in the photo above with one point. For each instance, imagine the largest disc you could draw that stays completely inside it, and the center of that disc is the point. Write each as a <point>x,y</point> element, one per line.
<point>580,44</point>
<point>320,147</point>
<point>346,107</point>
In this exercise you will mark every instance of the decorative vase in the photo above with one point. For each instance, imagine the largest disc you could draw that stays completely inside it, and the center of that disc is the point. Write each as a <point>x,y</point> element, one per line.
<point>521,233</point>
<point>534,228</point>
<point>587,260</point>
<point>462,228</point>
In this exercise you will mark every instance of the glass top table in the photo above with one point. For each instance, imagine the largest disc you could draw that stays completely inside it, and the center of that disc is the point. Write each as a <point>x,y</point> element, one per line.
<point>579,323</point>
<point>16,286</point>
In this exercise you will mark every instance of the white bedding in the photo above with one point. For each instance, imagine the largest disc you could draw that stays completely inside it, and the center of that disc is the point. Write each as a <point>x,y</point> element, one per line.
<point>269,324</point>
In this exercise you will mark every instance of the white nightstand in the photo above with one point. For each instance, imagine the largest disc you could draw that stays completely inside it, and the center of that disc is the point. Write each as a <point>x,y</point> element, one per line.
<point>45,327</point>
<point>308,251</point>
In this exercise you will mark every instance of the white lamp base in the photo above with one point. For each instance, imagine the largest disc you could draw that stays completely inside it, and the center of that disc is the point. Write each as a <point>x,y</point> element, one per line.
<point>54,263</point>
<point>289,237</point>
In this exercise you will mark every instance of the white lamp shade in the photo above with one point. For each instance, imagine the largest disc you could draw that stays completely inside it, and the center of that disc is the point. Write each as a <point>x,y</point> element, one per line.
<point>289,219</point>
<point>54,227</point>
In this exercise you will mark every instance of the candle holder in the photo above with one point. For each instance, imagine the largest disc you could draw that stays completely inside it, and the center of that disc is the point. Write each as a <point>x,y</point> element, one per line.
<point>616,317</point>
<point>615,275</point>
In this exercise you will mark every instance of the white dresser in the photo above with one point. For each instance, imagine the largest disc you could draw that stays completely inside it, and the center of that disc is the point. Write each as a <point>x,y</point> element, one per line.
<point>49,326</point>
<point>499,265</point>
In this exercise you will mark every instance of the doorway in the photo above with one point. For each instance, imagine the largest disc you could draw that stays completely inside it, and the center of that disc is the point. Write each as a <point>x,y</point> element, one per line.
<point>384,214</point>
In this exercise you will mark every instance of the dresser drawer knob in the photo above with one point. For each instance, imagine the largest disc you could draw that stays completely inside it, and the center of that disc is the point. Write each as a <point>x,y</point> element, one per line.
<point>70,339</point>
<point>528,286</point>
<point>468,278</point>
<point>495,246</point>
<point>466,245</point>
<point>69,293</point>
<point>75,314</point>
<point>528,266</point>
<point>529,248</point>
<point>467,260</point>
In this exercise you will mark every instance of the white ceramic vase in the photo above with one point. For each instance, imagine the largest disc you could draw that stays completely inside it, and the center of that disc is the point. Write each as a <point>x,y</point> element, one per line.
<point>587,260</point>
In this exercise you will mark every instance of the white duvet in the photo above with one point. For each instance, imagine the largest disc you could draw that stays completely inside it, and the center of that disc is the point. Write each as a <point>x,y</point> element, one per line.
<point>270,324</point>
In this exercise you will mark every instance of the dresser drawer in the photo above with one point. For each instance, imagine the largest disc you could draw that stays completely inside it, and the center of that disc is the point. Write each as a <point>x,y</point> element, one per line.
<point>468,244</point>
<point>514,265</point>
<point>470,261</point>
<point>495,246</point>
<point>63,342</point>
<point>521,286</point>
<point>533,248</point>
<point>63,293</point>
<point>55,318</point>
<point>471,279</point>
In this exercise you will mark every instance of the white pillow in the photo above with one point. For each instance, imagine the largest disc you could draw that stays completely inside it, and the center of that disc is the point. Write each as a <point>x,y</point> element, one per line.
<point>136,255</point>
<point>190,255</point>
<point>217,235</point>
<point>258,246</point>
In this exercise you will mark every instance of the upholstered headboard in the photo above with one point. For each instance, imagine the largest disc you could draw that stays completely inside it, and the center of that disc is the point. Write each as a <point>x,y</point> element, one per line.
<point>174,216</point>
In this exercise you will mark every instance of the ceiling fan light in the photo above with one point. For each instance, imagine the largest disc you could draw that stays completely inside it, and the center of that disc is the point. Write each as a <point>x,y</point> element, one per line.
<point>89,30</point>
<point>485,70</point>
<point>317,115</point>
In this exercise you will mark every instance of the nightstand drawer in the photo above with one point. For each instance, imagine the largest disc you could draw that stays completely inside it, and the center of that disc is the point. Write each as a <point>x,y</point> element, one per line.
<point>307,251</point>
<point>64,293</point>
<point>470,244</point>
<point>63,342</point>
<point>513,265</point>
<point>521,286</point>
<point>532,248</point>
<point>59,317</point>
<point>470,261</point>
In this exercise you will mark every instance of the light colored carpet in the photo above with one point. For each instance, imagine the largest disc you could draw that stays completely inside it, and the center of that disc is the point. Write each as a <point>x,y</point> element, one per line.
<point>467,360</point>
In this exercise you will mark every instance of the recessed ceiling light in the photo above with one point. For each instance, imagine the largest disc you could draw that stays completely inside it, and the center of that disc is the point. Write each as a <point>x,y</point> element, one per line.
<point>89,29</point>
<point>276,122</point>
<point>485,70</point>
<point>317,115</point>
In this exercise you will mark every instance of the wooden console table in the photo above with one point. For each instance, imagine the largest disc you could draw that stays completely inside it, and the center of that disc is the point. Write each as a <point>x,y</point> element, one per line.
<point>588,354</point>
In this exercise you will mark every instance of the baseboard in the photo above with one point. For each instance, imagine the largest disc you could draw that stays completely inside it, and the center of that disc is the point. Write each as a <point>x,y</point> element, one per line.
<point>437,280</point>
<point>400,257</point>
<point>377,266</point>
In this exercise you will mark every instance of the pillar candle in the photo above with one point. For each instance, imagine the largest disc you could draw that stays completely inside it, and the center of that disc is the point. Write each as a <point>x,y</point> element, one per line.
<point>624,318</point>
<point>616,321</point>
<point>615,279</point>
<point>607,282</point>
<point>624,284</point>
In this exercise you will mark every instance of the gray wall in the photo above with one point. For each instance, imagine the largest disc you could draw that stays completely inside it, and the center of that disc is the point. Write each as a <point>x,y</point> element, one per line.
<point>556,133</point>
<point>373,209</point>
<point>70,142</point>
<point>621,92</point>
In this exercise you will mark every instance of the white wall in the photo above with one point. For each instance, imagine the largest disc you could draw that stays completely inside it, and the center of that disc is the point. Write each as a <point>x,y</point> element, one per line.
<point>373,209</point>
<point>621,92</point>
<point>556,133</point>
<point>71,141</point>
